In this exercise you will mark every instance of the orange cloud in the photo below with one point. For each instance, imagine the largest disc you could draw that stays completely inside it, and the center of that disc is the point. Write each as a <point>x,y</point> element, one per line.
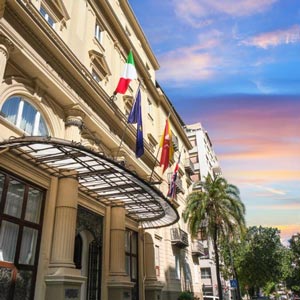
<point>287,231</point>
<point>259,176</point>
<point>275,38</point>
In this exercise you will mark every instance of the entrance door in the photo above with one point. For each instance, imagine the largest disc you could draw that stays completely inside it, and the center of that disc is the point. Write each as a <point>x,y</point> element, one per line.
<point>88,252</point>
<point>94,272</point>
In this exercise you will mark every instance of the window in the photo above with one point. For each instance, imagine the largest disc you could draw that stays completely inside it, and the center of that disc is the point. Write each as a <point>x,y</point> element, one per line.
<point>150,108</point>
<point>207,291</point>
<point>100,68</point>
<point>177,266</point>
<point>98,32</point>
<point>157,261</point>
<point>54,12</point>
<point>205,273</point>
<point>193,141</point>
<point>21,210</point>
<point>95,76</point>
<point>194,159</point>
<point>196,273</point>
<point>47,17</point>
<point>131,260</point>
<point>22,114</point>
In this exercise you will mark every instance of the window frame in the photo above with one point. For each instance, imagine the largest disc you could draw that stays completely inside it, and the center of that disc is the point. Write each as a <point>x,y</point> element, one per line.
<point>157,260</point>
<point>22,223</point>
<point>205,274</point>
<point>38,116</point>
<point>98,34</point>
<point>177,267</point>
<point>129,254</point>
<point>48,16</point>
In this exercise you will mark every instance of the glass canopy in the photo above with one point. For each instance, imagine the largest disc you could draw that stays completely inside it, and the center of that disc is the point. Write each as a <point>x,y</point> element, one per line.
<point>99,177</point>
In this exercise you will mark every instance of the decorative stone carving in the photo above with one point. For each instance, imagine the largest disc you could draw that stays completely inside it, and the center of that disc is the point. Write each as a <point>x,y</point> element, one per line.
<point>6,46</point>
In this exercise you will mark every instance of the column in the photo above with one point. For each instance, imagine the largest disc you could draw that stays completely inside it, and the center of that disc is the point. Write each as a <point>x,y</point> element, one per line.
<point>6,46</point>
<point>74,123</point>
<point>153,287</point>
<point>119,283</point>
<point>64,281</point>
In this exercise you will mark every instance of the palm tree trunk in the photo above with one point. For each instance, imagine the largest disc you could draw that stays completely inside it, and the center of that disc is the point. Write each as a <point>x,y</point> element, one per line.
<point>216,250</point>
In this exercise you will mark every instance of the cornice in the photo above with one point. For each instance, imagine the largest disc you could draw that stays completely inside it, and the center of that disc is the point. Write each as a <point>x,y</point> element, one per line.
<point>139,32</point>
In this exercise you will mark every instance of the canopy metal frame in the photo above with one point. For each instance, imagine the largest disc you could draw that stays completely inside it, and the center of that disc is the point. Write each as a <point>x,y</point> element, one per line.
<point>99,177</point>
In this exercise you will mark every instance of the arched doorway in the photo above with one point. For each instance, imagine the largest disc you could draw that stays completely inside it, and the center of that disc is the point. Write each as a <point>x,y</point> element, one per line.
<point>88,252</point>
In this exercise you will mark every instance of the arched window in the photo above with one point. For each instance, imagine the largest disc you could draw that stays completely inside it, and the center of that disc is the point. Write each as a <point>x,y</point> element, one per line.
<point>25,116</point>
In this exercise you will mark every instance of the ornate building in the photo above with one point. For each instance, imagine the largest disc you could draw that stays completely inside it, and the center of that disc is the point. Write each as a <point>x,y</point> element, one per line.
<point>80,216</point>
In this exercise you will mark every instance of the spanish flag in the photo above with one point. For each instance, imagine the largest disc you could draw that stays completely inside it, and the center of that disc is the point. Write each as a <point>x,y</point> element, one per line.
<point>167,147</point>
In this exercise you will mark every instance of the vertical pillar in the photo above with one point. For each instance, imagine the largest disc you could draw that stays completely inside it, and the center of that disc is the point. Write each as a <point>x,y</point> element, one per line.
<point>119,283</point>
<point>64,281</point>
<point>65,221</point>
<point>74,123</point>
<point>153,287</point>
<point>6,46</point>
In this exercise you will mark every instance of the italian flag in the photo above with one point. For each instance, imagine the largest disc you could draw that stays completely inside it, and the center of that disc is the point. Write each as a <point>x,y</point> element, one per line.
<point>128,75</point>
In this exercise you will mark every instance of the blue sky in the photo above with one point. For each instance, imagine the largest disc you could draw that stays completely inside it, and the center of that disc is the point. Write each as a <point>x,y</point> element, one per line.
<point>234,66</point>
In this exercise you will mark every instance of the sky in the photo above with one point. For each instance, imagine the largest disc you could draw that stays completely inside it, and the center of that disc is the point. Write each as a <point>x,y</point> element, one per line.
<point>234,66</point>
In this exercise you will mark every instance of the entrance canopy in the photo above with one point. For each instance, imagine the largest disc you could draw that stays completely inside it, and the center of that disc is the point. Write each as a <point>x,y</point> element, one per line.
<point>99,177</point>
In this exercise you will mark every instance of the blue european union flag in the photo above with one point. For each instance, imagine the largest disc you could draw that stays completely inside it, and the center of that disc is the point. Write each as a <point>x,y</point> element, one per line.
<point>135,117</point>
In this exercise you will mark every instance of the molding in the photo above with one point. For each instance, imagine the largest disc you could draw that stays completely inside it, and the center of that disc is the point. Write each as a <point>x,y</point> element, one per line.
<point>99,64</point>
<point>6,45</point>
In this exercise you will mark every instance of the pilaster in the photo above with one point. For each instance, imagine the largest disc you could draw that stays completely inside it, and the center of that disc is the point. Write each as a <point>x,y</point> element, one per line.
<point>119,283</point>
<point>153,287</point>
<point>64,281</point>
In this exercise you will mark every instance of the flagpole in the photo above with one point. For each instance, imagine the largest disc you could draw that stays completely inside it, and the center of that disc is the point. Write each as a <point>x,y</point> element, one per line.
<point>154,165</point>
<point>123,136</point>
<point>169,114</point>
<point>122,139</point>
<point>113,97</point>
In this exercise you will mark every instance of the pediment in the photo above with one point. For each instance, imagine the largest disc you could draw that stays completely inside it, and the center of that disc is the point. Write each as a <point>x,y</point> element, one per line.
<point>58,8</point>
<point>99,63</point>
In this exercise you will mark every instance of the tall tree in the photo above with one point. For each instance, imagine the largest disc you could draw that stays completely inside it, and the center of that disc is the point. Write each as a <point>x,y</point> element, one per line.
<point>216,204</point>
<point>260,258</point>
<point>293,279</point>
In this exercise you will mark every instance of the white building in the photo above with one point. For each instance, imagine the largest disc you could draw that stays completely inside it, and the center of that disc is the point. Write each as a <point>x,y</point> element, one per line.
<point>205,162</point>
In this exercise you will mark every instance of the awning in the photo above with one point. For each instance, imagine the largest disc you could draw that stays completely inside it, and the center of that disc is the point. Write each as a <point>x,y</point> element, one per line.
<point>99,177</point>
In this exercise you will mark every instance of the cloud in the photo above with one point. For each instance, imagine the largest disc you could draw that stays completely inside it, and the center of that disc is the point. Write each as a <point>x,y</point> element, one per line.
<point>199,13</point>
<point>287,231</point>
<point>260,176</point>
<point>274,38</point>
<point>263,88</point>
<point>188,63</point>
<point>270,190</point>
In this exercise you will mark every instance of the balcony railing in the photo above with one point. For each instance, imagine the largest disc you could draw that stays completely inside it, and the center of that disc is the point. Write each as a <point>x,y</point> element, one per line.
<point>175,142</point>
<point>179,237</point>
<point>197,248</point>
<point>189,166</point>
<point>217,171</point>
<point>178,183</point>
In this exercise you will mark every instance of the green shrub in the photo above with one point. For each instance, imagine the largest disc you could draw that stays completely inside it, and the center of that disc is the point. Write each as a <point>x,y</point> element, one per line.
<point>186,295</point>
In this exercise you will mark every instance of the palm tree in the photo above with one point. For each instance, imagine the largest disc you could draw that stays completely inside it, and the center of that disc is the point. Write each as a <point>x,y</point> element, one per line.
<point>217,204</point>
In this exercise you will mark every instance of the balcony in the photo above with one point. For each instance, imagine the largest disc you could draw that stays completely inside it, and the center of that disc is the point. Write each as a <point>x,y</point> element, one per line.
<point>217,171</point>
<point>178,183</point>
<point>189,166</point>
<point>197,248</point>
<point>175,142</point>
<point>179,238</point>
